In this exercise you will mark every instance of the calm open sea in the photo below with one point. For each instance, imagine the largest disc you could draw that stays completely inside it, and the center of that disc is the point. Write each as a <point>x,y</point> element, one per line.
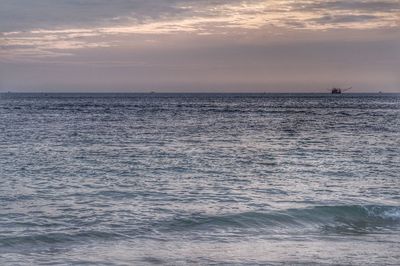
<point>178,179</point>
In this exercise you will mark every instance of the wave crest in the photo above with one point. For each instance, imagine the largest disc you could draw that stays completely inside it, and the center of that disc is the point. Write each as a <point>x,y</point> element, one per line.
<point>352,219</point>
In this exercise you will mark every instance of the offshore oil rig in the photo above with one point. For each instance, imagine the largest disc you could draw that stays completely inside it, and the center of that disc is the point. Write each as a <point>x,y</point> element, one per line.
<point>339,90</point>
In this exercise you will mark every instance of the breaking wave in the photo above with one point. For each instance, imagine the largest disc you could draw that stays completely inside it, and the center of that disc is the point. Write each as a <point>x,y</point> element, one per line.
<point>352,219</point>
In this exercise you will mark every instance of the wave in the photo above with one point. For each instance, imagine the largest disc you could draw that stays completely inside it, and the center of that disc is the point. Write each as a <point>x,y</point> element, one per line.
<point>351,219</point>
<point>56,238</point>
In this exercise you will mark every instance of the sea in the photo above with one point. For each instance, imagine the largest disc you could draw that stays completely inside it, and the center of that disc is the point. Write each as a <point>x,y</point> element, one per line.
<point>199,179</point>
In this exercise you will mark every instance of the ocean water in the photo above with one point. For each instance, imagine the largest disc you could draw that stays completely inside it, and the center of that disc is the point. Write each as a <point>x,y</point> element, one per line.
<point>199,179</point>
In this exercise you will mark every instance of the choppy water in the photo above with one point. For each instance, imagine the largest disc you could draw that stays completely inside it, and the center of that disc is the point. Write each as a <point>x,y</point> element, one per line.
<point>179,179</point>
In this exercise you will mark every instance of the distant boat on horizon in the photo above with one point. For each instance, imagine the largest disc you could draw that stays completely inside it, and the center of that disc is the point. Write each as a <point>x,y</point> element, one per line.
<point>339,90</point>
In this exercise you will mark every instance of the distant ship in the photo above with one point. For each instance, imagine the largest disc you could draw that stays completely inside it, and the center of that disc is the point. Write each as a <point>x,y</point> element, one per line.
<point>339,90</point>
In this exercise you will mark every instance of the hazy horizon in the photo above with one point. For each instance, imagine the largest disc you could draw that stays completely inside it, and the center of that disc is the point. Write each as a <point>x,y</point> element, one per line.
<point>188,92</point>
<point>199,46</point>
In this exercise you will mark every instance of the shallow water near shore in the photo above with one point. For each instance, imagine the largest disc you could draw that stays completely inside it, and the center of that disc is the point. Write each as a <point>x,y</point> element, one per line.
<point>178,179</point>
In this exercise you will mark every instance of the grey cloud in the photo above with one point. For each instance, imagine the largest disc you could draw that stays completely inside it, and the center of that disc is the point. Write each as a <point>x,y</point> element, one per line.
<point>27,14</point>
<point>344,18</point>
<point>335,13</point>
<point>354,5</point>
<point>16,15</point>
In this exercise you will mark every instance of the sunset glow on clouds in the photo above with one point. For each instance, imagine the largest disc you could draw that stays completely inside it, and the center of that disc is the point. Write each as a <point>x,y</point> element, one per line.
<point>208,17</point>
<point>42,31</point>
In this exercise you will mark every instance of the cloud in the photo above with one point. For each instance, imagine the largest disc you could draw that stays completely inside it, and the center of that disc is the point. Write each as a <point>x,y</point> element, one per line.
<point>360,14</point>
<point>357,5</point>
<point>58,28</point>
<point>329,19</point>
<point>25,15</point>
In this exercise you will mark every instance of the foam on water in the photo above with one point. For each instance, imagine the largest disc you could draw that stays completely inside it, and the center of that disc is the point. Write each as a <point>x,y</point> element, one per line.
<point>199,179</point>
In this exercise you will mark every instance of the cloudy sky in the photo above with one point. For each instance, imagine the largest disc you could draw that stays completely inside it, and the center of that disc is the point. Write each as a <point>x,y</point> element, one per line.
<point>199,45</point>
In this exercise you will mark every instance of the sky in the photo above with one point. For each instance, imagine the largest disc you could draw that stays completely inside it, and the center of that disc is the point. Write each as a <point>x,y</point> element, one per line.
<point>199,45</point>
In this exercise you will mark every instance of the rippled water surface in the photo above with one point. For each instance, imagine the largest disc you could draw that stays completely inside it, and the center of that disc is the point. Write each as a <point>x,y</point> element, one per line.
<point>178,179</point>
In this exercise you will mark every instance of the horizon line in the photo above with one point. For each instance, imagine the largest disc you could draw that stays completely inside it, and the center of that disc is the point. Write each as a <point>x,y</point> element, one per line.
<point>191,92</point>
